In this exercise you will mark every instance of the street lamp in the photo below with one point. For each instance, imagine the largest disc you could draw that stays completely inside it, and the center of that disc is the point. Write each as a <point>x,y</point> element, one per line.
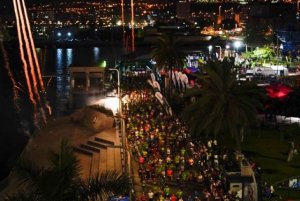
<point>237,44</point>
<point>220,52</point>
<point>227,52</point>
<point>209,50</point>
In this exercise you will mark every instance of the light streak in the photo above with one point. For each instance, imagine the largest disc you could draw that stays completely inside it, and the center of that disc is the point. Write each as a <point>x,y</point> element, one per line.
<point>31,71</point>
<point>49,108</point>
<point>132,27</point>
<point>28,50</point>
<point>25,67</point>
<point>20,89</point>
<point>10,75</point>
<point>123,22</point>
<point>33,48</point>
<point>49,81</point>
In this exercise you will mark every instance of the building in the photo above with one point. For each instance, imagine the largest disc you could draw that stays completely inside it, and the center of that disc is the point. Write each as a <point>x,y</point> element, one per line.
<point>86,79</point>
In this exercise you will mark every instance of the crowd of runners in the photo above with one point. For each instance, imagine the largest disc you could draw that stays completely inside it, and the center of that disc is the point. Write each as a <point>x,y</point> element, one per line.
<point>172,165</point>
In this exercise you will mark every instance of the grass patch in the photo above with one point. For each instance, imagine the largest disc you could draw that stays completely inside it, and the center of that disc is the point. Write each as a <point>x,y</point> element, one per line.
<point>269,147</point>
<point>288,194</point>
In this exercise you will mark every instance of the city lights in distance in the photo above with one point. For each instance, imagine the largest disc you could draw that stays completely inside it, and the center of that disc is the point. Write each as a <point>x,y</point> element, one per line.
<point>119,23</point>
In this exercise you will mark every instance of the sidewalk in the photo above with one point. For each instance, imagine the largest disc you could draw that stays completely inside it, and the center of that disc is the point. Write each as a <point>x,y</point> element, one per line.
<point>136,181</point>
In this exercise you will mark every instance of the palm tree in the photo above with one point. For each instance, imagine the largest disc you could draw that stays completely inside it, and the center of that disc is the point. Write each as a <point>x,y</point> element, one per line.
<point>224,104</point>
<point>61,180</point>
<point>167,54</point>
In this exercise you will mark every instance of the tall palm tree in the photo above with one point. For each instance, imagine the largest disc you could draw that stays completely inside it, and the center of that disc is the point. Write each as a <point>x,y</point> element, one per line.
<point>167,54</point>
<point>224,104</point>
<point>61,180</point>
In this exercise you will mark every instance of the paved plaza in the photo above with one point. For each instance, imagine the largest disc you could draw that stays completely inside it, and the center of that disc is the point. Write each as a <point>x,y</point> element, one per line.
<point>97,151</point>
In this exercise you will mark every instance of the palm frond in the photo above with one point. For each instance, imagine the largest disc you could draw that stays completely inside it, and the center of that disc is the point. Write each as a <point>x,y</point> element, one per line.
<point>28,173</point>
<point>23,196</point>
<point>101,186</point>
<point>223,105</point>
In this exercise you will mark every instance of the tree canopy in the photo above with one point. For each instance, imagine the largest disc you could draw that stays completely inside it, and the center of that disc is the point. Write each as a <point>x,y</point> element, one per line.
<point>167,52</point>
<point>224,104</point>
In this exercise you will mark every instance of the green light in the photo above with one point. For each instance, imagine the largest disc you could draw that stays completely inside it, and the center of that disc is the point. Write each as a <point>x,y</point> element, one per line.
<point>102,64</point>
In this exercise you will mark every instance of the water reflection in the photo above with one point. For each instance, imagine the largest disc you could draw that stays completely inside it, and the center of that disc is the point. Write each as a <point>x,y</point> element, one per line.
<point>64,58</point>
<point>69,57</point>
<point>59,59</point>
<point>56,61</point>
<point>96,51</point>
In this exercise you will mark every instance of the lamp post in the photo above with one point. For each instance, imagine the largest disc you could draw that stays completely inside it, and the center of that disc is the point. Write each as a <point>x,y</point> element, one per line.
<point>237,44</point>
<point>209,50</point>
<point>220,52</point>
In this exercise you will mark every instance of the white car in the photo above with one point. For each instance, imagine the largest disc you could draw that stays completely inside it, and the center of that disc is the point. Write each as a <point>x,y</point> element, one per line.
<point>265,71</point>
<point>249,73</point>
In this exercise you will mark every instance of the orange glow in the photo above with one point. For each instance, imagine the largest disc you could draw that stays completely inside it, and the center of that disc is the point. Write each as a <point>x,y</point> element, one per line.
<point>33,48</point>
<point>28,50</point>
<point>25,67</point>
<point>132,27</point>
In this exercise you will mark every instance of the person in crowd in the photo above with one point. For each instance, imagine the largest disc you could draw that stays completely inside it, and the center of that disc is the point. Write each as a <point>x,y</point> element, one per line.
<point>165,153</point>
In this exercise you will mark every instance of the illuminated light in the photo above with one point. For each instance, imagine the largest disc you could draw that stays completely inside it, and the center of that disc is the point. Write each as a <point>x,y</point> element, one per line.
<point>102,64</point>
<point>59,34</point>
<point>237,44</point>
<point>111,103</point>
<point>119,23</point>
<point>227,46</point>
<point>278,91</point>
<point>132,27</point>
<point>281,46</point>
<point>28,50</point>
<point>69,34</point>
<point>33,48</point>
<point>210,48</point>
<point>25,67</point>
